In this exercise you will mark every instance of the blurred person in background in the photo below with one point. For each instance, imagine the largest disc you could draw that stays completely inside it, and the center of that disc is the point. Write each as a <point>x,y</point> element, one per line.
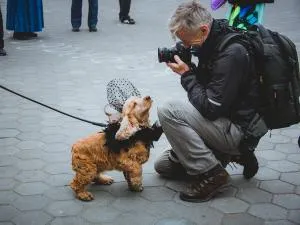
<point>124,12</point>
<point>2,51</point>
<point>24,17</point>
<point>76,15</point>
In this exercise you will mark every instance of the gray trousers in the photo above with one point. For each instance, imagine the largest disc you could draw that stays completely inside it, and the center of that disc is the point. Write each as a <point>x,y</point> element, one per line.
<point>190,134</point>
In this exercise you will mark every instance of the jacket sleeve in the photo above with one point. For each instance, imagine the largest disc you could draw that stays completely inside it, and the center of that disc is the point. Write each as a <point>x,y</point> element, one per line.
<point>215,99</point>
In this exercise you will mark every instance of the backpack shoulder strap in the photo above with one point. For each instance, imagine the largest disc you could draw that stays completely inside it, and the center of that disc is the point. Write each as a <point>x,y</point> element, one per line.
<point>228,39</point>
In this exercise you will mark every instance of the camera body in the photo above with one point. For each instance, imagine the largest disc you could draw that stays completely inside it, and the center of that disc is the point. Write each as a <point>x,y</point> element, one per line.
<point>167,54</point>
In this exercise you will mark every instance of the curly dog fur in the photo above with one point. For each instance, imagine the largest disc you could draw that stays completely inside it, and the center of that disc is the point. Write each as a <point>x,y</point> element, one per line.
<point>97,153</point>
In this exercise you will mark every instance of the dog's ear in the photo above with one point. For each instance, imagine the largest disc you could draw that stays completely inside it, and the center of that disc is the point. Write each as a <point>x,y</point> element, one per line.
<point>129,125</point>
<point>127,129</point>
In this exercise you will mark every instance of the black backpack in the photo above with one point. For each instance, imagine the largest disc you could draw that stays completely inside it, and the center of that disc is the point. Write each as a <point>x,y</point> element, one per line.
<point>278,70</point>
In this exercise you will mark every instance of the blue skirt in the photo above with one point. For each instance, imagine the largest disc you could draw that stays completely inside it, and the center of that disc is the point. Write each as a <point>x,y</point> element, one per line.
<point>25,15</point>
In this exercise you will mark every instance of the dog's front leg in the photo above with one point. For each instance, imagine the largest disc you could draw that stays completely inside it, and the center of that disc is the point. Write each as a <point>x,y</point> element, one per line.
<point>133,176</point>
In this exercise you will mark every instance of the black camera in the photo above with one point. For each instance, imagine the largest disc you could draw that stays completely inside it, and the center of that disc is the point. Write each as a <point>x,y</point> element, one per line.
<point>167,54</point>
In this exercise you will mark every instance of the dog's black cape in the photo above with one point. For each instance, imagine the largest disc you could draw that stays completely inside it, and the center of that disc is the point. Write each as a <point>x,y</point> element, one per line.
<point>146,135</point>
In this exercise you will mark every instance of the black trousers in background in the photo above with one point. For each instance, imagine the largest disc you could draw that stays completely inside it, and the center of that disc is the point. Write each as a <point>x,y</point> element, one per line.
<point>124,8</point>
<point>1,31</point>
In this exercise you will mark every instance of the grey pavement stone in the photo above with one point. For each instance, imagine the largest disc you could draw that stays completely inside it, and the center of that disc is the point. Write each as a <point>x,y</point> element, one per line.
<point>8,171</point>
<point>101,214</point>
<point>267,174</point>
<point>290,132</point>
<point>5,133</point>
<point>263,145</point>
<point>153,180</point>
<point>230,205</point>
<point>102,199</point>
<point>277,187</point>
<point>127,204</point>
<point>59,179</point>
<point>7,184</point>
<point>24,203</point>
<point>7,160</point>
<point>254,195</point>
<point>57,147</point>
<point>9,125</point>
<point>57,158</point>
<point>58,168</point>
<point>69,221</point>
<point>228,192</point>
<point>287,148</point>
<point>31,176</point>
<point>262,161</point>
<point>268,211</point>
<point>276,138</point>
<point>9,150</point>
<point>64,208</point>
<point>7,197</point>
<point>158,194</point>
<point>54,138</point>
<point>271,155</point>
<point>279,222</point>
<point>29,154</point>
<point>240,182</point>
<point>34,188</point>
<point>31,145</point>
<point>31,136</point>
<point>7,212</point>
<point>294,215</point>
<point>294,158</point>
<point>60,193</point>
<point>199,213</point>
<point>8,141</point>
<point>33,164</point>
<point>297,191</point>
<point>283,166</point>
<point>174,221</point>
<point>176,185</point>
<point>131,218</point>
<point>241,218</point>
<point>288,201</point>
<point>32,218</point>
<point>293,178</point>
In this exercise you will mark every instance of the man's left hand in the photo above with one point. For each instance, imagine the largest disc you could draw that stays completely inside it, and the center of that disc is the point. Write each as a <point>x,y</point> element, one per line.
<point>179,67</point>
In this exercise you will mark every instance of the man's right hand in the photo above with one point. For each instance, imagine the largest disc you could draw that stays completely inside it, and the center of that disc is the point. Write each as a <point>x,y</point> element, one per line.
<point>179,66</point>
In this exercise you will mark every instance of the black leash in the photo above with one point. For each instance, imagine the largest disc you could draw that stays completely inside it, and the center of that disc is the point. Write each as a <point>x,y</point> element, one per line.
<point>49,107</point>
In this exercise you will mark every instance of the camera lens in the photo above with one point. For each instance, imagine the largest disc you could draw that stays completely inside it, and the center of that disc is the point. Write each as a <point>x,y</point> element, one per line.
<point>162,55</point>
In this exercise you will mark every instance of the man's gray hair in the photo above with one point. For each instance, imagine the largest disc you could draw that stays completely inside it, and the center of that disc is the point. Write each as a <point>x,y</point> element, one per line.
<point>189,16</point>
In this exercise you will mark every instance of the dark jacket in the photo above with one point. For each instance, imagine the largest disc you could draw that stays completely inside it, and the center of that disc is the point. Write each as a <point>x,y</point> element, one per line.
<point>224,84</point>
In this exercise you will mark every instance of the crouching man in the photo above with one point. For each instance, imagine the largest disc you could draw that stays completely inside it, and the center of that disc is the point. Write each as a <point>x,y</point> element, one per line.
<point>207,131</point>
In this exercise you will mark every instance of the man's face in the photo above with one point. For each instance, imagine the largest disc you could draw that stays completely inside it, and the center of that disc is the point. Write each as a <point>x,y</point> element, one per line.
<point>190,39</point>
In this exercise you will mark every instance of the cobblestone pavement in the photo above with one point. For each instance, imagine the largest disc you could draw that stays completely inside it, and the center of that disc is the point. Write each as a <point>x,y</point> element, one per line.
<point>70,71</point>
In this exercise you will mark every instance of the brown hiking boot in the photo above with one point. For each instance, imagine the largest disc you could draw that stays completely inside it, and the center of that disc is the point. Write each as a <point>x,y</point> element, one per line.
<point>205,186</point>
<point>250,163</point>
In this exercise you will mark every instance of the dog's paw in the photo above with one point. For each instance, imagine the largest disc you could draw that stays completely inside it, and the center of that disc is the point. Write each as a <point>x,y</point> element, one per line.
<point>136,188</point>
<point>85,196</point>
<point>104,179</point>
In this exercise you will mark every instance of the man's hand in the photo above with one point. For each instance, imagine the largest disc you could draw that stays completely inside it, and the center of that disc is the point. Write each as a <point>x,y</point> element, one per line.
<point>179,67</point>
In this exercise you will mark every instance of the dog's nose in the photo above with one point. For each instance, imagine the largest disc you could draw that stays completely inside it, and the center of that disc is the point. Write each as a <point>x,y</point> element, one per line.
<point>147,98</point>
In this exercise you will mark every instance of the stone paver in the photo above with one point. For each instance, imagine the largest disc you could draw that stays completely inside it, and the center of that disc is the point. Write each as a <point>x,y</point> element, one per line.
<point>70,71</point>
<point>242,218</point>
<point>268,211</point>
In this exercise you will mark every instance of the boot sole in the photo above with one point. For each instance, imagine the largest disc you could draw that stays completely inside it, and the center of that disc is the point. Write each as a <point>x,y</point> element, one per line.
<point>210,196</point>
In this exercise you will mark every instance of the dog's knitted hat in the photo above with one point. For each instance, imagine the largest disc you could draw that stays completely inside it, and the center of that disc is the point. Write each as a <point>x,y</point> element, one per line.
<point>118,91</point>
